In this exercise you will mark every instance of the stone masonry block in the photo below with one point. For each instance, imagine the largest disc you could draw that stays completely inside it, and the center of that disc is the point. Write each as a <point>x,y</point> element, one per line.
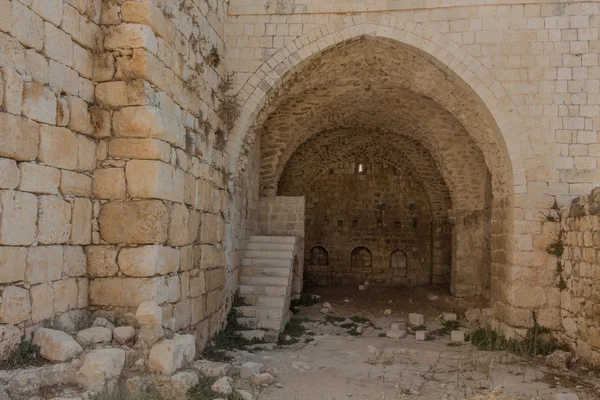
<point>139,149</point>
<point>109,183</point>
<point>12,264</point>
<point>10,176</point>
<point>74,261</point>
<point>81,221</point>
<point>18,138</point>
<point>42,302</point>
<point>58,45</point>
<point>65,295</point>
<point>58,147</point>
<point>13,91</point>
<point>80,119</point>
<point>154,179</point>
<point>18,210</point>
<point>179,224</point>
<point>15,306</point>
<point>146,13</point>
<point>130,36</point>
<point>124,93</point>
<point>101,261</point>
<point>44,263</point>
<point>148,261</point>
<point>6,16</point>
<point>39,178</point>
<point>145,122</point>
<point>39,103</point>
<point>104,67</point>
<point>127,292</point>
<point>75,184</point>
<point>134,222</point>
<point>54,225</point>
<point>86,151</point>
<point>49,10</point>
<point>27,27</point>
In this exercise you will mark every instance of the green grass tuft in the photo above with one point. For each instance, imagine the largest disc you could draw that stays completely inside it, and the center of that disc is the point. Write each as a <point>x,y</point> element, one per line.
<point>448,326</point>
<point>25,354</point>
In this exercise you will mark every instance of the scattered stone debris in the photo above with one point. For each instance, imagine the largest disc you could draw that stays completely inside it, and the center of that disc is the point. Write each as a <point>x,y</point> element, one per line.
<point>559,359</point>
<point>432,296</point>
<point>362,287</point>
<point>472,315</point>
<point>56,345</point>
<point>457,336</point>
<point>448,316</point>
<point>421,335</point>
<point>387,311</point>
<point>222,386</point>
<point>416,319</point>
<point>250,368</point>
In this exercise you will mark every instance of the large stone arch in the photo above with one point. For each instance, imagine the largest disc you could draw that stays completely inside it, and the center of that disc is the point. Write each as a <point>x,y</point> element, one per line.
<point>258,90</point>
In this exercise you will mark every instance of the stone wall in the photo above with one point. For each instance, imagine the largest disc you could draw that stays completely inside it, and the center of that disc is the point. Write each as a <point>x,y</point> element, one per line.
<point>577,274</point>
<point>380,209</point>
<point>50,133</point>
<point>112,133</point>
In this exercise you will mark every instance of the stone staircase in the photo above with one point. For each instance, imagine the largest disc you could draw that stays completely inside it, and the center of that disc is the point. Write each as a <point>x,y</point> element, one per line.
<point>266,282</point>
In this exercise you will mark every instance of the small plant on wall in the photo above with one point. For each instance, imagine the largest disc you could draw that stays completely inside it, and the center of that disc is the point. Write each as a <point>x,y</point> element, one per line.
<point>557,246</point>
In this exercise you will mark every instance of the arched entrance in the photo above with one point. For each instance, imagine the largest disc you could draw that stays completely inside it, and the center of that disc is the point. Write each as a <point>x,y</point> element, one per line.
<point>410,105</point>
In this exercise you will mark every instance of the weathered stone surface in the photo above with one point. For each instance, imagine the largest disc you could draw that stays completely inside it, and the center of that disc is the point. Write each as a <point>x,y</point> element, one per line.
<point>559,359</point>
<point>80,119</point>
<point>18,209</point>
<point>223,386</point>
<point>56,345</point>
<point>101,261</point>
<point>13,91</point>
<point>73,183</point>
<point>154,179</point>
<point>50,10</point>
<point>12,264</point>
<point>81,222</point>
<point>396,334</point>
<point>122,94</point>
<point>86,151</point>
<point>42,302</point>
<point>169,355</point>
<point>39,103</point>
<point>211,369</point>
<point>74,261</point>
<point>416,319</point>
<point>139,149</point>
<point>94,335</point>
<point>39,178</point>
<point>19,139</point>
<point>124,334</point>
<point>54,225</point>
<point>58,45</point>
<point>148,261</point>
<point>130,36</point>
<point>148,336</point>
<point>472,315</point>
<point>44,264</point>
<point>10,337</point>
<point>262,379</point>
<point>109,183</point>
<point>181,383</point>
<point>10,176</point>
<point>457,336</point>
<point>100,366</point>
<point>27,27</point>
<point>136,222</point>
<point>127,292</point>
<point>149,313</point>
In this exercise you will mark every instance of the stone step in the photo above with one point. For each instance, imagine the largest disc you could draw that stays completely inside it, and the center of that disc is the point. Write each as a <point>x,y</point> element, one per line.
<point>265,290</point>
<point>266,301</point>
<point>265,323</point>
<point>254,254</point>
<point>271,246</point>
<point>264,280</point>
<point>267,262</point>
<point>266,271</point>
<point>272,239</point>
<point>260,312</point>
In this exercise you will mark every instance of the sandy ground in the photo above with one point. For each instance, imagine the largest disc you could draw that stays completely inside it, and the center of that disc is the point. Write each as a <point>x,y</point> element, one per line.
<point>338,366</point>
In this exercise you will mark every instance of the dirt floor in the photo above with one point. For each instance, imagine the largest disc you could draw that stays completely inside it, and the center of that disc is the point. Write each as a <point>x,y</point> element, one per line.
<point>337,365</point>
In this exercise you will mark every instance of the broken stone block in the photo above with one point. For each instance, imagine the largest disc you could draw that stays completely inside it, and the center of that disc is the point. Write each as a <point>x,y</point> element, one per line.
<point>399,326</point>
<point>10,337</point>
<point>457,336</point>
<point>149,313</point>
<point>396,334</point>
<point>222,386</point>
<point>250,368</point>
<point>56,345</point>
<point>262,379</point>
<point>169,355</point>
<point>99,367</point>
<point>559,359</point>
<point>245,395</point>
<point>326,305</point>
<point>448,316</point>
<point>387,311</point>
<point>96,334</point>
<point>181,383</point>
<point>271,336</point>
<point>416,319</point>
<point>432,296</point>
<point>421,335</point>
<point>472,315</point>
<point>15,306</point>
<point>103,322</point>
<point>124,334</point>
<point>211,369</point>
<point>149,335</point>
<point>253,334</point>
<point>325,310</point>
<point>361,287</point>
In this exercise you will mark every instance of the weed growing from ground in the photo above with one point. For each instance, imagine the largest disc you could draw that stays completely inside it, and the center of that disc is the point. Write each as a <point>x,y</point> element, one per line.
<point>447,327</point>
<point>331,319</point>
<point>25,354</point>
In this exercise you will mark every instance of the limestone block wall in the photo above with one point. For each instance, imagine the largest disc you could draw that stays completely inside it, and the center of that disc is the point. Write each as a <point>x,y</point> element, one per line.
<point>49,137</point>
<point>577,275</point>
<point>285,216</point>
<point>161,171</point>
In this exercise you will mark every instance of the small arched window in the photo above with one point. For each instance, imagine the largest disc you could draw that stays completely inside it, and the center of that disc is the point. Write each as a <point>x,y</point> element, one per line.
<point>361,257</point>
<point>319,256</point>
<point>398,261</point>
